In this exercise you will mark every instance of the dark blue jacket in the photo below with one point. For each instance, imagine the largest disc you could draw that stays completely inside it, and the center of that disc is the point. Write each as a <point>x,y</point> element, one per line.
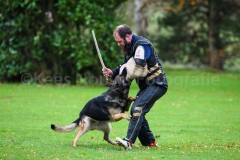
<point>156,73</point>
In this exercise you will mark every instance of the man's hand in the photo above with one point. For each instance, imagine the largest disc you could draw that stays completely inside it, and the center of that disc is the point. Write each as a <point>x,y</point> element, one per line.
<point>107,72</point>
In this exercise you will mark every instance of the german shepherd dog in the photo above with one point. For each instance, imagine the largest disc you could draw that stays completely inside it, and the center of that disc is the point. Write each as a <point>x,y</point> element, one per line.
<point>100,111</point>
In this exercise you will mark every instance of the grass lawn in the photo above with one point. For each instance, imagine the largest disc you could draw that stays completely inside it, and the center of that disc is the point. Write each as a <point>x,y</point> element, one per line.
<point>198,118</point>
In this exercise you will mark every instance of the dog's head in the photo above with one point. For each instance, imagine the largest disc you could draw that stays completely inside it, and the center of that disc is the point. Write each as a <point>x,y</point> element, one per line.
<point>121,84</point>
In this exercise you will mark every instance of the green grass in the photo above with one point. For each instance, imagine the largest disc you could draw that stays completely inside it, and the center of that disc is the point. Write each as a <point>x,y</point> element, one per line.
<point>198,118</point>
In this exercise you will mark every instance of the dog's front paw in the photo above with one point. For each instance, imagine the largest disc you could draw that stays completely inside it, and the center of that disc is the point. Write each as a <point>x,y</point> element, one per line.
<point>132,98</point>
<point>128,117</point>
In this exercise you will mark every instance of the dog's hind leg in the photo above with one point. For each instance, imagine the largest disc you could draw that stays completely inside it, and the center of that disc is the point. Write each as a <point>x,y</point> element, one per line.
<point>84,126</point>
<point>106,128</point>
<point>106,134</point>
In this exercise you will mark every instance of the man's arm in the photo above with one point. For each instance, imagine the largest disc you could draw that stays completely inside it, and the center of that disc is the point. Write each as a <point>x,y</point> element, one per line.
<point>142,54</point>
<point>111,73</point>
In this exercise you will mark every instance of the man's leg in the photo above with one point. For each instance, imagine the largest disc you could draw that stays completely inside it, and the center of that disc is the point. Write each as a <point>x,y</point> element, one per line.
<point>142,105</point>
<point>145,135</point>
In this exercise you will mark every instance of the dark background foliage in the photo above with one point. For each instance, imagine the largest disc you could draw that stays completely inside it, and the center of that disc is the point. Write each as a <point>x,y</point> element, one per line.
<point>193,30</point>
<point>54,38</point>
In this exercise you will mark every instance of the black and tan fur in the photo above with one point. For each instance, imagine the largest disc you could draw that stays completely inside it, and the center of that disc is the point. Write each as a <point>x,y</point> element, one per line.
<point>100,111</point>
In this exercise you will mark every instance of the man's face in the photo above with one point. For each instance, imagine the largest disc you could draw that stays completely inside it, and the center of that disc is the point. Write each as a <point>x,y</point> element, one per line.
<point>123,43</point>
<point>120,41</point>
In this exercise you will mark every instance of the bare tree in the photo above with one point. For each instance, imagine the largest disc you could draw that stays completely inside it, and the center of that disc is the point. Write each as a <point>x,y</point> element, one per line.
<point>140,17</point>
<point>214,41</point>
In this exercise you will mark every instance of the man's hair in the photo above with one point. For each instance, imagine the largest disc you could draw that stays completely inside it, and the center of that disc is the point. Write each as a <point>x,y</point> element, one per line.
<point>122,30</point>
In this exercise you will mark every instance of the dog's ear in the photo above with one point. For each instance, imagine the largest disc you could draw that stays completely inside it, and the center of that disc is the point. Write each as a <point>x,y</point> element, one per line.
<point>124,72</point>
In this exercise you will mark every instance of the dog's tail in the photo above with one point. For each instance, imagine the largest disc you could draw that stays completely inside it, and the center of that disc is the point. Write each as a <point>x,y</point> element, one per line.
<point>67,128</point>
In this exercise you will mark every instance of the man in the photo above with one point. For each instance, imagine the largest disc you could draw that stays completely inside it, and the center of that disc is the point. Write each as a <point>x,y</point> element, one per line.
<point>153,86</point>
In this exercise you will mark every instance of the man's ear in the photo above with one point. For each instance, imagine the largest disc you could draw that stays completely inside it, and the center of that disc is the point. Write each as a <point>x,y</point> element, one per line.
<point>128,37</point>
<point>124,72</point>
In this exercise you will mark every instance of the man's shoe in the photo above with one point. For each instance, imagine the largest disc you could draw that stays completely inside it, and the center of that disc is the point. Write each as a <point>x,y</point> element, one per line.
<point>153,144</point>
<point>125,143</point>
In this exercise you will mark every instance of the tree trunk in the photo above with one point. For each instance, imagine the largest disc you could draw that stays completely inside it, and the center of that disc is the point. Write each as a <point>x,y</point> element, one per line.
<point>140,18</point>
<point>214,41</point>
